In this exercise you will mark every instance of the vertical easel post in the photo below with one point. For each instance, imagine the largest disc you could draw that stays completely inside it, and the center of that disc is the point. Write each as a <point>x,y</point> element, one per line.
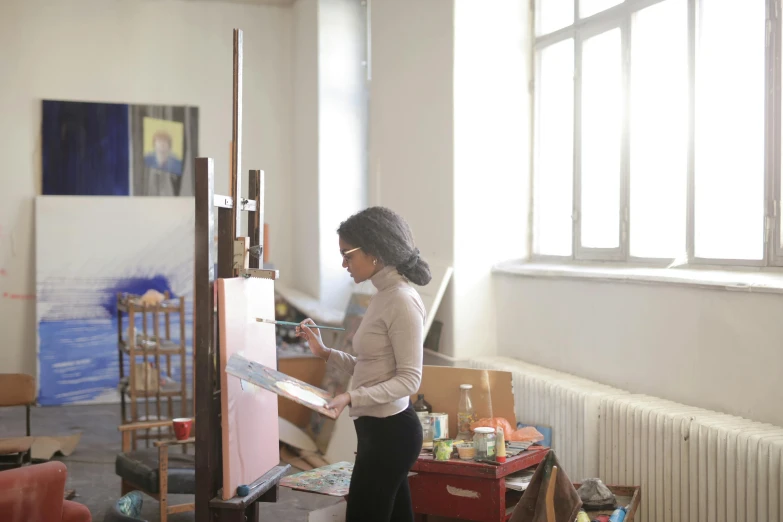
<point>255,220</point>
<point>204,347</point>
<point>236,137</point>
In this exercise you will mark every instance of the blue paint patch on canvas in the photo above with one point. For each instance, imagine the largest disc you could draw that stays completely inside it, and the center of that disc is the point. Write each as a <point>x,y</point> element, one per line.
<point>137,286</point>
<point>78,358</point>
<point>85,149</point>
<point>79,362</point>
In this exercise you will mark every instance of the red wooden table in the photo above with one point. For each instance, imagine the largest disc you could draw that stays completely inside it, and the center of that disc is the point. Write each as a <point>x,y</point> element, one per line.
<point>466,489</point>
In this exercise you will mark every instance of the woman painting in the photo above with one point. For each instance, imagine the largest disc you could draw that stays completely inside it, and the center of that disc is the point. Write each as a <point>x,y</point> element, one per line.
<point>377,244</point>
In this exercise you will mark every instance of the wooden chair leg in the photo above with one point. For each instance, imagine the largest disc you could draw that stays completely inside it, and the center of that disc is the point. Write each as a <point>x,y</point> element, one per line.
<point>163,481</point>
<point>125,488</point>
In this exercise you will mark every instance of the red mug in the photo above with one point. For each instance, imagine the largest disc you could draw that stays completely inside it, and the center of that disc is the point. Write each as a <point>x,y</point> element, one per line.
<point>182,428</point>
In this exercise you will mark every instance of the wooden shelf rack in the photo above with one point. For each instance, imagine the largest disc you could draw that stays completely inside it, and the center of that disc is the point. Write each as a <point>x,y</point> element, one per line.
<point>148,386</point>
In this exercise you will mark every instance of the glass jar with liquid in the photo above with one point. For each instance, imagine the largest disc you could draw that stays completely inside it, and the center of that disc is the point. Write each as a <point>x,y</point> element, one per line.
<point>484,441</point>
<point>465,414</point>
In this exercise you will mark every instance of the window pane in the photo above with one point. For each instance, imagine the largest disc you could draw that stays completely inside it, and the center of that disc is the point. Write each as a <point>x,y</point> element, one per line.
<point>659,130</point>
<point>553,15</point>
<point>554,159</point>
<point>591,7</point>
<point>729,183</point>
<point>602,99</point>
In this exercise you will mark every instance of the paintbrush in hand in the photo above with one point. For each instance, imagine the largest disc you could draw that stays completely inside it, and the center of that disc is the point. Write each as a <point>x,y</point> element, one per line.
<point>289,323</point>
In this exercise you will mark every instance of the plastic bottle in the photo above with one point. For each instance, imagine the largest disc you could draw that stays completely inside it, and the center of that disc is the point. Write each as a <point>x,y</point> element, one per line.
<point>618,515</point>
<point>422,406</point>
<point>500,456</point>
<point>465,413</point>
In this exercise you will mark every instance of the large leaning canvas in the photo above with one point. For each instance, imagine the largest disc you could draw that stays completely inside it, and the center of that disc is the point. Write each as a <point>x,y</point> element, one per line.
<point>89,248</point>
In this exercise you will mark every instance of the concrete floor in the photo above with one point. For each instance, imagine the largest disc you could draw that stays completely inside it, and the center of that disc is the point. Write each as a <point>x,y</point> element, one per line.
<point>91,465</point>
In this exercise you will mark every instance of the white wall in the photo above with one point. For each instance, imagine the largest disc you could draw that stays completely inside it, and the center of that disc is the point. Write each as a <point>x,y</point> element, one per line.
<point>411,123</point>
<point>449,140</point>
<point>411,117</point>
<point>342,135</point>
<point>714,349</point>
<point>330,141</point>
<point>491,158</point>
<point>305,200</point>
<point>173,52</point>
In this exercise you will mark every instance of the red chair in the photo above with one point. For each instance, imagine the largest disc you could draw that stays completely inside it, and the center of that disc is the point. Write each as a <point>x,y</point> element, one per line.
<point>35,494</point>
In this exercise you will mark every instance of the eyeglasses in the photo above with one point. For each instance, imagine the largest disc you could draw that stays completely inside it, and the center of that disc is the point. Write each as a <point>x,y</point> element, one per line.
<point>345,254</point>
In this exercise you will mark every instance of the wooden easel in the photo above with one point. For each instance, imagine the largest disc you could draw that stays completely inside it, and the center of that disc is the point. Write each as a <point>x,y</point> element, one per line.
<point>229,259</point>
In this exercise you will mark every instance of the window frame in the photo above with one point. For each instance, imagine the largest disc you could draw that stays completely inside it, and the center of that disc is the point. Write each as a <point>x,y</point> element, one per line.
<point>621,16</point>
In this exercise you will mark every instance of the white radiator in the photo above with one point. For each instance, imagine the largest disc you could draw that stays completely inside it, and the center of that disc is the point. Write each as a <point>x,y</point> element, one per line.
<point>693,465</point>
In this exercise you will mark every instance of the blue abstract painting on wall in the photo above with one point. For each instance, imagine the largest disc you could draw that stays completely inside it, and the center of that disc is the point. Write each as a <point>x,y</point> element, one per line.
<point>87,250</point>
<point>85,148</point>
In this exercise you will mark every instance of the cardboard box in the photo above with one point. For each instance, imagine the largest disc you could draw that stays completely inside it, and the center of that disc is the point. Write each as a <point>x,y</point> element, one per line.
<point>492,393</point>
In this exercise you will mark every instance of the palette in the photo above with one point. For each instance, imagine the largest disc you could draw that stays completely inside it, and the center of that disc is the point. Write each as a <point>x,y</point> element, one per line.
<point>283,385</point>
<point>333,480</point>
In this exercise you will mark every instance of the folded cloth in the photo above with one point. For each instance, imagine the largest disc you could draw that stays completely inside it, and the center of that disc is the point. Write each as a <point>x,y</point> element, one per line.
<point>532,505</point>
<point>595,495</point>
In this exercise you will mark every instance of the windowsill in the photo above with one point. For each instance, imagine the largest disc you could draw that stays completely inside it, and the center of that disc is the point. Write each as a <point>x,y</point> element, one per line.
<point>750,280</point>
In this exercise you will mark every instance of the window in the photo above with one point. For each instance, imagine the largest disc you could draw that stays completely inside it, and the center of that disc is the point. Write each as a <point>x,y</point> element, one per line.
<point>657,137</point>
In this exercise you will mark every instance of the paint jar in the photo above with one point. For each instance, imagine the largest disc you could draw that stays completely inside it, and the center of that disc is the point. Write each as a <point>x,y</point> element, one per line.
<point>484,440</point>
<point>466,450</point>
<point>443,449</point>
<point>440,425</point>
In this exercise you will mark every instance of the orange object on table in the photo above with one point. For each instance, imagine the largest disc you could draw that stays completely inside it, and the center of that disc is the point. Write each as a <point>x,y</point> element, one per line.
<point>527,434</point>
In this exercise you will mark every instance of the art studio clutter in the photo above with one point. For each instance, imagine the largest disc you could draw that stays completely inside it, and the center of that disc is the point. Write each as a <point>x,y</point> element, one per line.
<point>477,439</point>
<point>491,440</point>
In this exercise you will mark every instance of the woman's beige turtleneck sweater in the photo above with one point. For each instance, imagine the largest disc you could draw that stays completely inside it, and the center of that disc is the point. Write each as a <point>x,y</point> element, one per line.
<point>389,349</point>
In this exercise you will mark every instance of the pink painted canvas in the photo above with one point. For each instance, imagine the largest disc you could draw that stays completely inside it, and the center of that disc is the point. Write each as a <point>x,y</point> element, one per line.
<point>249,413</point>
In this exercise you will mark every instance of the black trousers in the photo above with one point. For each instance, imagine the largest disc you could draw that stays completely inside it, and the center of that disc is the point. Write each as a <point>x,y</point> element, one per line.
<point>387,450</point>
